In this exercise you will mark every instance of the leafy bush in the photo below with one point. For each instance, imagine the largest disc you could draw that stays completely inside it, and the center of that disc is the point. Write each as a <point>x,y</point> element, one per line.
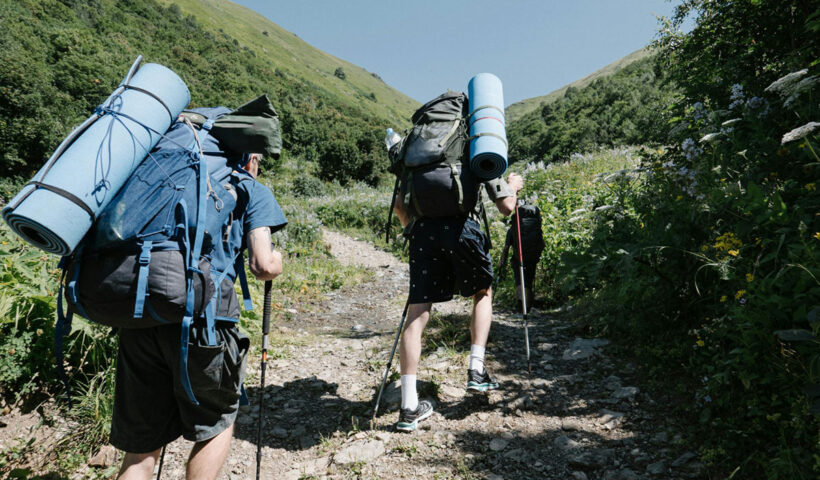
<point>307,186</point>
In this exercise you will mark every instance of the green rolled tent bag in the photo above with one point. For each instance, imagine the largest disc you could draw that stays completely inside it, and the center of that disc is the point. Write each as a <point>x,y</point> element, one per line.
<point>251,128</point>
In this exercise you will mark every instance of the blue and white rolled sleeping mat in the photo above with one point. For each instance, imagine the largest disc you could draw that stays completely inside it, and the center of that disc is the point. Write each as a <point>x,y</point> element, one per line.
<point>56,209</point>
<point>488,137</point>
<point>58,206</point>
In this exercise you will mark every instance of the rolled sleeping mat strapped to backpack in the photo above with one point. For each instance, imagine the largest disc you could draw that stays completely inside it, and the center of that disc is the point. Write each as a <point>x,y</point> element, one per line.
<point>488,137</point>
<point>58,206</point>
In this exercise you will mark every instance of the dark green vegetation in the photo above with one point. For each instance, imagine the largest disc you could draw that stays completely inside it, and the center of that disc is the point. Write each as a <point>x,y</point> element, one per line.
<point>701,257</point>
<point>624,108</point>
<point>518,109</point>
<point>59,59</point>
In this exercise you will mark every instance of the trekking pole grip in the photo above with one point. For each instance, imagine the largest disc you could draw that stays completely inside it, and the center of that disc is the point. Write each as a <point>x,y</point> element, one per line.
<point>266,307</point>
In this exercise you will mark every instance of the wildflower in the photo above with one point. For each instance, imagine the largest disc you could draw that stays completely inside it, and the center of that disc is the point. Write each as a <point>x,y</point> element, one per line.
<point>811,187</point>
<point>12,351</point>
<point>779,85</point>
<point>678,197</point>
<point>800,132</point>
<point>642,227</point>
<point>700,343</point>
<point>743,301</point>
<point>707,399</point>
<point>750,278</point>
<point>739,294</point>
<point>722,298</point>
<point>690,149</point>
<point>817,235</point>
<point>733,253</point>
<point>703,248</point>
<point>39,331</point>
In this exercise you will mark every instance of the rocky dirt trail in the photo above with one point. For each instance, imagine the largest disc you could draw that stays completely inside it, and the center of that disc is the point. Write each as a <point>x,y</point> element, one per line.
<point>578,416</point>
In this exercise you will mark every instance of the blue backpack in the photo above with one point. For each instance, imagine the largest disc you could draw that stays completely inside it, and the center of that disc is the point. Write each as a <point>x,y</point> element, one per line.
<point>146,261</point>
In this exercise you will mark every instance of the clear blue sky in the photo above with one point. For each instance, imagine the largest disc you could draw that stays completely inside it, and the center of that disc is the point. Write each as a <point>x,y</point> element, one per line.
<point>423,47</point>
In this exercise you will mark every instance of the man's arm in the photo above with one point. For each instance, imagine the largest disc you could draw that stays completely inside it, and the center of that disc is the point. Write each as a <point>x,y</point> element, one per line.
<point>506,205</point>
<point>265,262</point>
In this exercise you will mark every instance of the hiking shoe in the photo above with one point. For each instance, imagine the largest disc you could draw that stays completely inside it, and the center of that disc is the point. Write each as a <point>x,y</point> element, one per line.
<point>409,419</point>
<point>480,382</point>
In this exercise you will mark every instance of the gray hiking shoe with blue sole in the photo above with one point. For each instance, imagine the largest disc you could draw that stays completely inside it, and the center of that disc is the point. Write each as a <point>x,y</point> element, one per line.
<point>480,382</point>
<point>409,419</point>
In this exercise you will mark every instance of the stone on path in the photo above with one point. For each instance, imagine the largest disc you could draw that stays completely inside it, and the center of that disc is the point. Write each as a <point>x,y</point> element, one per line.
<point>565,443</point>
<point>572,424</point>
<point>658,468</point>
<point>625,393</point>
<point>359,451</point>
<point>625,474</point>
<point>104,458</point>
<point>578,475</point>
<point>581,348</point>
<point>590,460</point>
<point>452,392</point>
<point>498,444</point>
<point>309,468</point>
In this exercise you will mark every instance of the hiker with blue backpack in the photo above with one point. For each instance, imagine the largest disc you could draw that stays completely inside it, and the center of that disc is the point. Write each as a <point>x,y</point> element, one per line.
<point>438,201</point>
<point>150,409</point>
<point>152,208</point>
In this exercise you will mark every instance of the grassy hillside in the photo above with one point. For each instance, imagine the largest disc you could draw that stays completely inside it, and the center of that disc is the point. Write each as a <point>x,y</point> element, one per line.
<point>286,51</point>
<point>519,109</point>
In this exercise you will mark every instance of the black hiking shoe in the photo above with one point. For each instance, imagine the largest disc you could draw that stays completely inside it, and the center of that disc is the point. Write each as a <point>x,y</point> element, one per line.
<point>480,382</point>
<point>409,419</point>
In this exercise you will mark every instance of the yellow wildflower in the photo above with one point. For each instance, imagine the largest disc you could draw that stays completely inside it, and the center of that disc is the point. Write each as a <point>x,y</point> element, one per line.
<point>817,235</point>
<point>642,227</point>
<point>750,278</point>
<point>700,343</point>
<point>722,298</point>
<point>704,248</point>
<point>678,197</point>
<point>739,294</point>
<point>733,253</point>
<point>811,187</point>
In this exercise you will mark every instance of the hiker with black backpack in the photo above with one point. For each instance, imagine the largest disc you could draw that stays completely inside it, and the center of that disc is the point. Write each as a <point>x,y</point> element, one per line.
<point>438,201</point>
<point>532,244</point>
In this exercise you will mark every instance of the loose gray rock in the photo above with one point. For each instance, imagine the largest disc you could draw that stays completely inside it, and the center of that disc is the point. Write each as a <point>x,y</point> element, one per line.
<point>684,459</point>
<point>279,432</point>
<point>498,444</point>
<point>625,393</point>
<point>452,392</point>
<point>625,474</point>
<point>565,443</point>
<point>657,468</point>
<point>660,437</point>
<point>581,348</point>
<point>104,458</point>
<point>578,475</point>
<point>591,460</point>
<point>572,424</point>
<point>359,451</point>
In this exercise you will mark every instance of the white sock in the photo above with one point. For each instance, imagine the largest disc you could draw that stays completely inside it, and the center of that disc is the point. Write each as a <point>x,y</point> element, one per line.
<point>409,397</point>
<point>477,358</point>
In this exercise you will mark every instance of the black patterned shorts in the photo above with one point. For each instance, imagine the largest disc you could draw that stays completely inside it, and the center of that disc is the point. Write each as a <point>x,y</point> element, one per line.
<point>448,255</point>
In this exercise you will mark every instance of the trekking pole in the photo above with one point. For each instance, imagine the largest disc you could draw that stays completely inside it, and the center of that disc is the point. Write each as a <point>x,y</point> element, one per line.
<point>265,331</point>
<point>389,363</point>
<point>523,288</point>
<point>161,461</point>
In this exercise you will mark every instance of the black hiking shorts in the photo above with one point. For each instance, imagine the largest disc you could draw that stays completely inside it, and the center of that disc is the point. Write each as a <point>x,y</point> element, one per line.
<point>150,407</point>
<point>448,255</point>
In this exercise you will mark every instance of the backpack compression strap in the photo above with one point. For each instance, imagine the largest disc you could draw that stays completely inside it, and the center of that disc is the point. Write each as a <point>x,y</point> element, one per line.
<point>239,267</point>
<point>142,278</point>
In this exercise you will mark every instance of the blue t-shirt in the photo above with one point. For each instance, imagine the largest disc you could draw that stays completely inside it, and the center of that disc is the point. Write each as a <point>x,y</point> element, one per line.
<point>255,207</point>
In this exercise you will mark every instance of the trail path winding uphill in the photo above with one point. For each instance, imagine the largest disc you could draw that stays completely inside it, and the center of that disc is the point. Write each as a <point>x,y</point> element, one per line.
<point>579,416</point>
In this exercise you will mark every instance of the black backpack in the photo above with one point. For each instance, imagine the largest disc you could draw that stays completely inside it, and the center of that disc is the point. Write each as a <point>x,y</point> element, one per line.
<point>431,161</point>
<point>532,238</point>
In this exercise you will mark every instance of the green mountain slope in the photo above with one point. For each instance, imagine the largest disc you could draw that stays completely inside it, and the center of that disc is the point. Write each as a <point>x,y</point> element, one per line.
<point>60,58</point>
<point>519,109</point>
<point>286,51</point>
